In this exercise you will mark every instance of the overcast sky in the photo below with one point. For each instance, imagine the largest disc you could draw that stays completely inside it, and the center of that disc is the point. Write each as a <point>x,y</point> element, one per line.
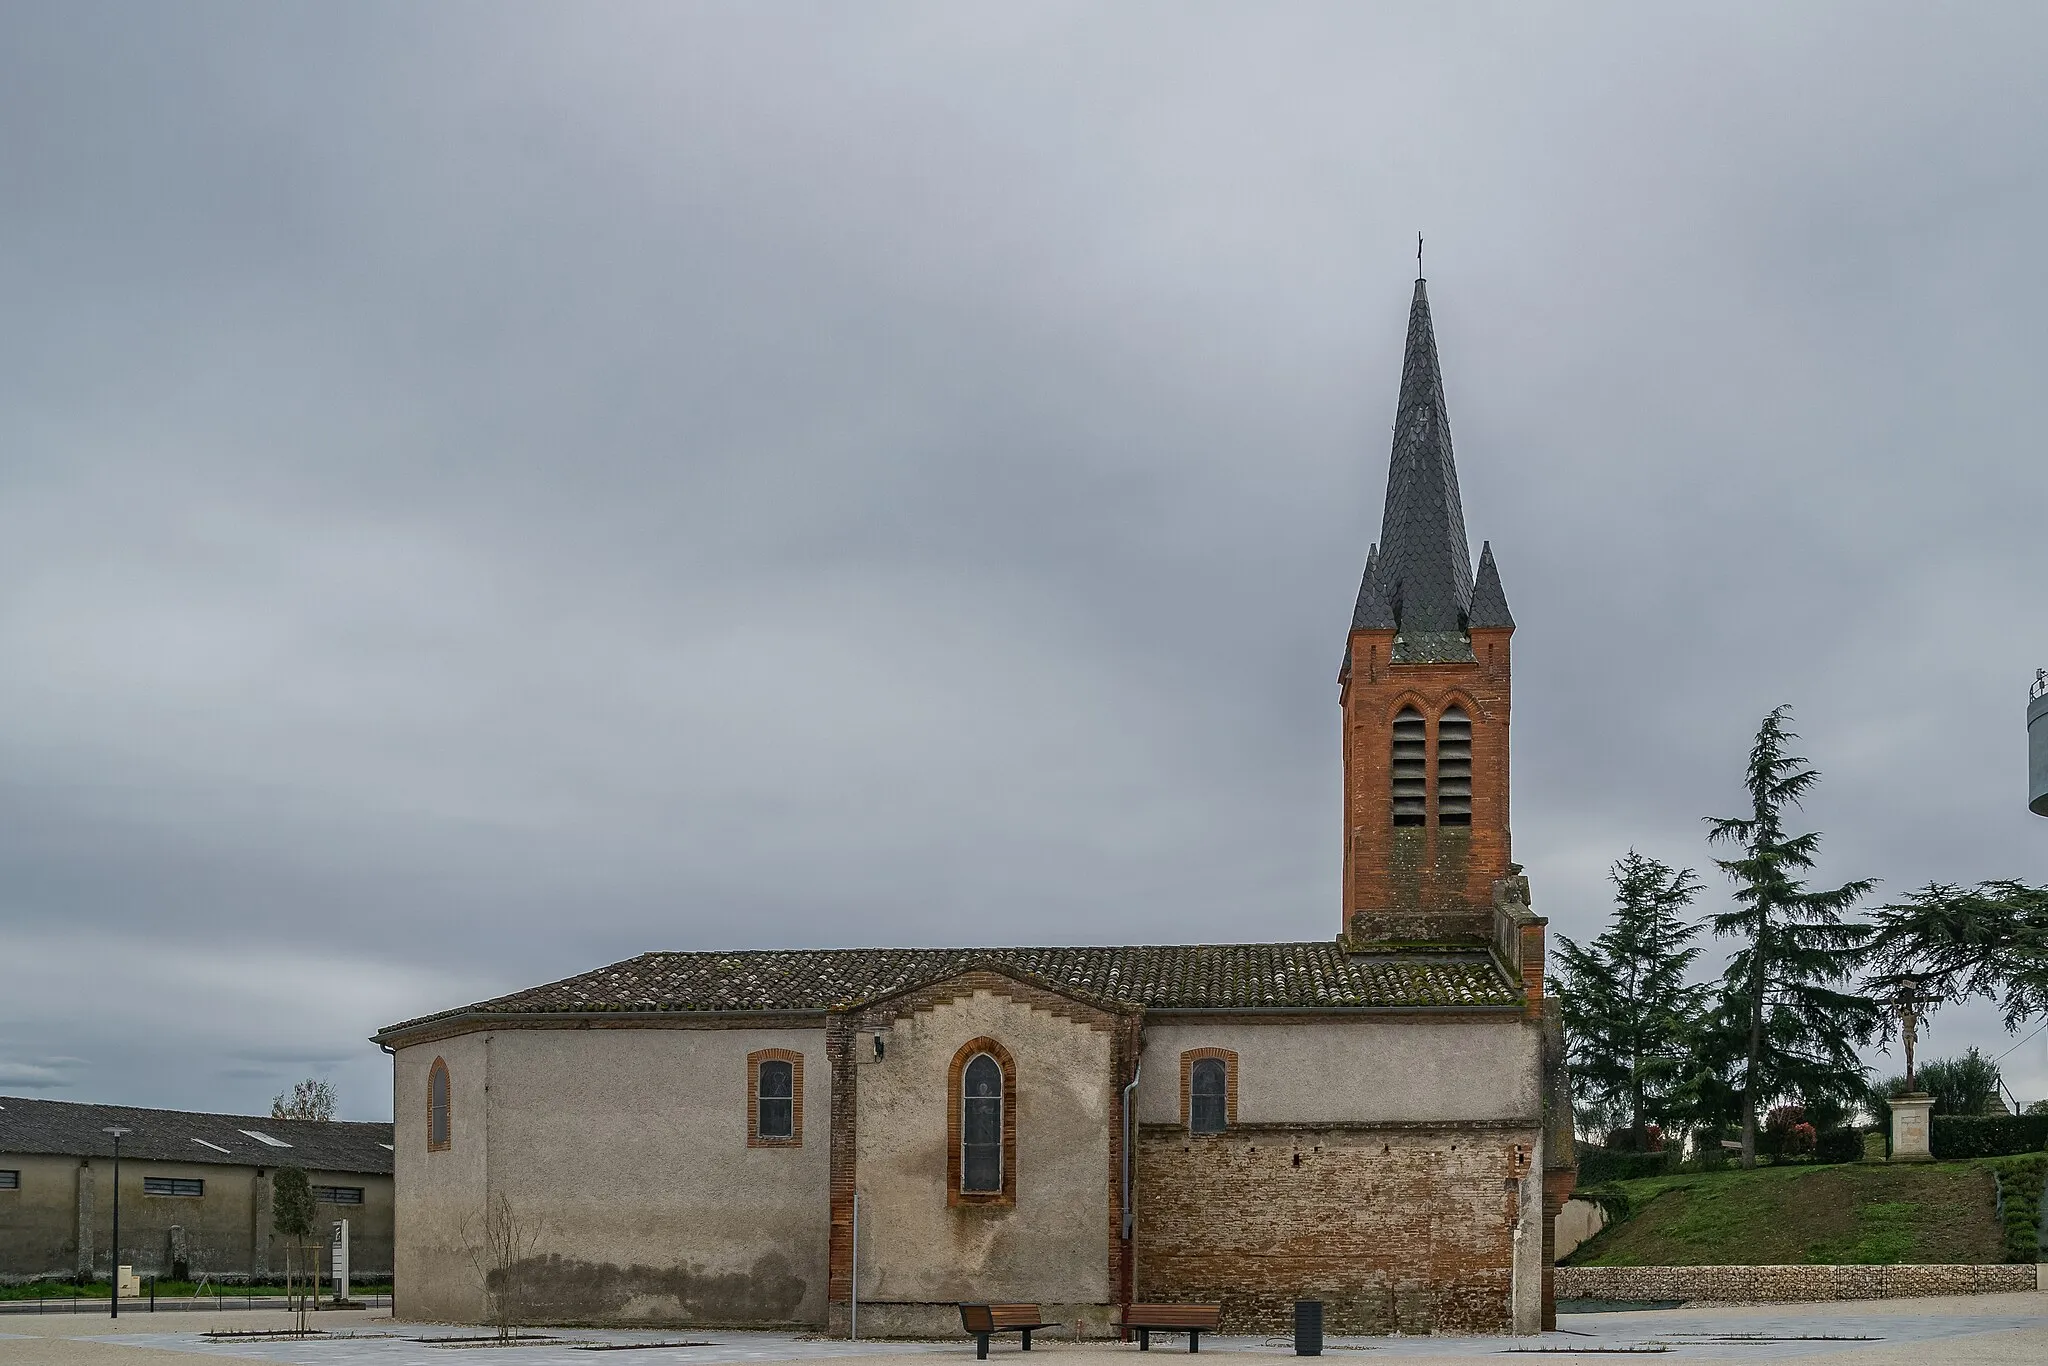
<point>490,490</point>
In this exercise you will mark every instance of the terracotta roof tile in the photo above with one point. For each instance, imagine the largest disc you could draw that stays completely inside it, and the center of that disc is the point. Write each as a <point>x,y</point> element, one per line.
<point>1157,977</point>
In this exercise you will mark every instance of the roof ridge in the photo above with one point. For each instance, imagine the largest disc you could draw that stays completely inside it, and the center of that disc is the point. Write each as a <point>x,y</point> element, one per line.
<point>6,1100</point>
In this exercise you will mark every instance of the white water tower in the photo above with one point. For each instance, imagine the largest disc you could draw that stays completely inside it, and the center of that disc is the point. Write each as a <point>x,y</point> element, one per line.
<point>2037,745</point>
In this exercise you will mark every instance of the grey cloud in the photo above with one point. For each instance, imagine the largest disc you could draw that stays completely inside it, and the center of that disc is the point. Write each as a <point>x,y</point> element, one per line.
<point>489,493</point>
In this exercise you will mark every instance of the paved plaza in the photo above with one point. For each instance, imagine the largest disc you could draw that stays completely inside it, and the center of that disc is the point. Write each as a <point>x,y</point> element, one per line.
<point>1965,1329</point>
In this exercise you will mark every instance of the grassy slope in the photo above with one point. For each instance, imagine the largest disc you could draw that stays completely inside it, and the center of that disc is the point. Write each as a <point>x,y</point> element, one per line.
<point>1938,1212</point>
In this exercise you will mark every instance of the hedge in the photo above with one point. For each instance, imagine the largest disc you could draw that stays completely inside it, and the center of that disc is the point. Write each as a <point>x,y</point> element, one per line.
<point>1987,1135</point>
<point>2019,1206</point>
<point>1839,1145</point>
<point>1598,1166</point>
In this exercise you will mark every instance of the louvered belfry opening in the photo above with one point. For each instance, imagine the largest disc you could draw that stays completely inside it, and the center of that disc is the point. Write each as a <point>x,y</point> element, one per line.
<point>1410,768</point>
<point>1454,768</point>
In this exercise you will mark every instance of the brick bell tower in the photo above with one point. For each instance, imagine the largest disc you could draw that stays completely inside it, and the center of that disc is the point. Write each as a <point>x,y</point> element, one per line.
<point>1425,695</point>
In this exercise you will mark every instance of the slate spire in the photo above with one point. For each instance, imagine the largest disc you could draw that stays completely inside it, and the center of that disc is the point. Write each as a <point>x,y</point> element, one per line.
<point>1425,563</point>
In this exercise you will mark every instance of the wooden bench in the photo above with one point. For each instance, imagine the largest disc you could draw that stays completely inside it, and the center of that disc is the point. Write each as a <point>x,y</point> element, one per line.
<point>1192,1319</point>
<point>985,1319</point>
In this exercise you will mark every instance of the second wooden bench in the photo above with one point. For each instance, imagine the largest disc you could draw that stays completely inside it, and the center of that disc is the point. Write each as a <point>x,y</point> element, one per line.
<point>1192,1319</point>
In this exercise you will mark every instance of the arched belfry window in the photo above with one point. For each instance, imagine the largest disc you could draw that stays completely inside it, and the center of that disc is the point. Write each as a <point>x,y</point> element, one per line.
<point>1454,768</point>
<point>981,1164</point>
<point>440,1125</point>
<point>1409,769</point>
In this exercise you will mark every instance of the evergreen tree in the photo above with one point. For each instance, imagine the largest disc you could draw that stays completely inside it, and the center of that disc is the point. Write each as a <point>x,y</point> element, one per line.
<point>1627,1006</point>
<point>1799,1032</point>
<point>1952,943</point>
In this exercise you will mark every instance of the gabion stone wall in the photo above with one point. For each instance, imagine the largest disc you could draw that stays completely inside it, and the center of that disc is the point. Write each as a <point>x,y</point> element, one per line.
<point>1786,1284</point>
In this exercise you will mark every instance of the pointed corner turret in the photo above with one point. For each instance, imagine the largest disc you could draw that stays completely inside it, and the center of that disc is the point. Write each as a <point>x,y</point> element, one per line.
<point>1372,612</point>
<point>1489,609</point>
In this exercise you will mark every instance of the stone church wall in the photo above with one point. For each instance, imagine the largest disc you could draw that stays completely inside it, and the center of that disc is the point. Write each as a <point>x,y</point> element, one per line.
<point>1395,1229</point>
<point>627,1150</point>
<point>920,1255</point>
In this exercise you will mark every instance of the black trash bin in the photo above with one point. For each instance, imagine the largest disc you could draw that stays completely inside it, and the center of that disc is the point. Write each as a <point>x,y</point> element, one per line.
<point>1308,1328</point>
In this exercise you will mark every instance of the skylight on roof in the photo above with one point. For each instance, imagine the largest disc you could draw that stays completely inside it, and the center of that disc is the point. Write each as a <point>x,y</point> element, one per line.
<point>264,1138</point>
<point>215,1146</point>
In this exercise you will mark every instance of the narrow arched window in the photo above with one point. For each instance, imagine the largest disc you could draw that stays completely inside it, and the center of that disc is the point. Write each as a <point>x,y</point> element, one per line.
<point>439,1109</point>
<point>1409,769</point>
<point>1454,768</point>
<point>777,1097</point>
<point>981,1125</point>
<point>1206,1092</point>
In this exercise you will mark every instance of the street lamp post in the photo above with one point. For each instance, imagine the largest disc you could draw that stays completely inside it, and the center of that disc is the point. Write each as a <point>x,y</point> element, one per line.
<point>114,1267</point>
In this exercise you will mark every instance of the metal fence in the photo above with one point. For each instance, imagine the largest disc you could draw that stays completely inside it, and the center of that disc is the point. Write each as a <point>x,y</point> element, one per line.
<point>149,1302</point>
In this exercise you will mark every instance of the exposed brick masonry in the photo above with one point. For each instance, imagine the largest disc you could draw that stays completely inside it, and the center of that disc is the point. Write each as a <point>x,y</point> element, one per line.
<point>1407,1230</point>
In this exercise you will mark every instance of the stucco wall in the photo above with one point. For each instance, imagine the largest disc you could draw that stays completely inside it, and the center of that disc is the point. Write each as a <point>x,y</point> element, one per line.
<point>220,1228</point>
<point>1052,1246</point>
<point>626,1149</point>
<point>1395,1230</point>
<point>438,1193</point>
<point>39,1222</point>
<point>1366,1069</point>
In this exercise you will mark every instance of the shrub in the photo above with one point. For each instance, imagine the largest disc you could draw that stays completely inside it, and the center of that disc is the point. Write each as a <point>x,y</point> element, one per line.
<point>2019,1205</point>
<point>1960,1086</point>
<point>1612,1200</point>
<point>1598,1166</point>
<point>1623,1140</point>
<point>1955,1136</point>
<point>1786,1133</point>
<point>1839,1145</point>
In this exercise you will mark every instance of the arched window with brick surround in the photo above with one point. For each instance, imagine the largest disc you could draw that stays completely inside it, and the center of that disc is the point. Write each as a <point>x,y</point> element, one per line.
<point>1408,769</point>
<point>775,1098</point>
<point>981,1124</point>
<point>1454,767</point>
<point>1208,1090</point>
<point>440,1109</point>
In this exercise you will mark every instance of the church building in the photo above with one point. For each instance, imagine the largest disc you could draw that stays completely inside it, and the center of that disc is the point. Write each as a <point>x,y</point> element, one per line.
<point>1379,1120</point>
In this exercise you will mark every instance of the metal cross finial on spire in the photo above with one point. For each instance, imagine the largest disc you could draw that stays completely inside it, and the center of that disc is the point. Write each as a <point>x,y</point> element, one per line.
<point>1418,256</point>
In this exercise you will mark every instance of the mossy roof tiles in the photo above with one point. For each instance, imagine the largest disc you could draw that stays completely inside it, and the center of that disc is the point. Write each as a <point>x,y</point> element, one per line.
<point>1155,977</point>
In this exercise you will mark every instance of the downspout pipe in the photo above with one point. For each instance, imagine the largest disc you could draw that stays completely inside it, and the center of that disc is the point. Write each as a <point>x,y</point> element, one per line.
<point>1129,1214</point>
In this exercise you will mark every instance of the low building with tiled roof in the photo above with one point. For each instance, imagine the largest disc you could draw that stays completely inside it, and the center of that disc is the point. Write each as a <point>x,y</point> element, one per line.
<point>194,1190</point>
<point>1379,1121</point>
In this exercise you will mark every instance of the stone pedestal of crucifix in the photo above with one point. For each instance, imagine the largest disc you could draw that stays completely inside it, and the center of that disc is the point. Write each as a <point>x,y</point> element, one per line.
<point>1910,1111</point>
<point>1909,1127</point>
